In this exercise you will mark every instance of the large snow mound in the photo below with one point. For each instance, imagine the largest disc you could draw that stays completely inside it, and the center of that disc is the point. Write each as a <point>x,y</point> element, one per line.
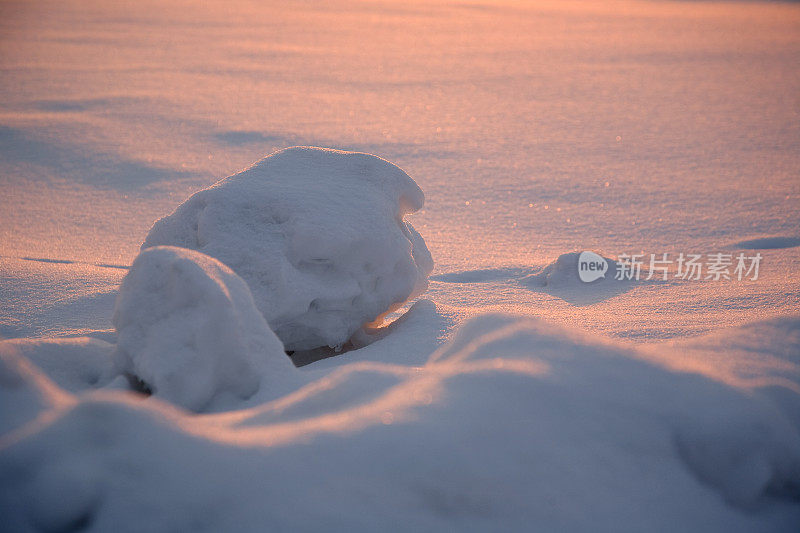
<point>317,234</point>
<point>513,425</point>
<point>189,330</point>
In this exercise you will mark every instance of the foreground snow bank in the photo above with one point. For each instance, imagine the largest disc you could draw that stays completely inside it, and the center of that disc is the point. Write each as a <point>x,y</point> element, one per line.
<point>317,234</point>
<point>189,331</point>
<point>513,425</point>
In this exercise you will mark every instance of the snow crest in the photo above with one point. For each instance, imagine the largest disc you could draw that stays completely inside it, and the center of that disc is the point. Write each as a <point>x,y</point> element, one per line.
<point>189,330</point>
<point>317,234</point>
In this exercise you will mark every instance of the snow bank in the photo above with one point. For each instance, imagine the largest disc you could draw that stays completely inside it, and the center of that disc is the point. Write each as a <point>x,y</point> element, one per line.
<point>317,234</point>
<point>514,425</point>
<point>189,330</point>
<point>761,356</point>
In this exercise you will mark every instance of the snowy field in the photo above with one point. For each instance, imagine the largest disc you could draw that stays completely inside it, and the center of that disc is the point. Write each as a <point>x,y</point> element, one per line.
<point>504,393</point>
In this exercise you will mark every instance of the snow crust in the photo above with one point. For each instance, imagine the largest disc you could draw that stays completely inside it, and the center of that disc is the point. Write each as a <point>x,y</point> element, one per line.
<point>189,331</point>
<point>317,234</point>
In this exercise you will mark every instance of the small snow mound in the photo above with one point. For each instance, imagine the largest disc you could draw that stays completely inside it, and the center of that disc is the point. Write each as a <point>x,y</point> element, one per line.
<point>189,330</point>
<point>564,272</point>
<point>317,234</point>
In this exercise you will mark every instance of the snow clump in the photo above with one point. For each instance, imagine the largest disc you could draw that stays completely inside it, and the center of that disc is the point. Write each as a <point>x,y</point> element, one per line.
<point>317,234</point>
<point>189,331</point>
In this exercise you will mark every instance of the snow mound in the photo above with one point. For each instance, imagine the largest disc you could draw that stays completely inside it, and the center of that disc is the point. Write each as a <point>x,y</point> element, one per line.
<point>563,272</point>
<point>737,440</point>
<point>514,425</point>
<point>317,234</point>
<point>189,331</point>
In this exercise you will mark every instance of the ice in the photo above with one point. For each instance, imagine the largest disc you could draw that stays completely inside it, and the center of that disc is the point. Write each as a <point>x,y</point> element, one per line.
<point>317,234</point>
<point>189,331</point>
<point>515,423</point>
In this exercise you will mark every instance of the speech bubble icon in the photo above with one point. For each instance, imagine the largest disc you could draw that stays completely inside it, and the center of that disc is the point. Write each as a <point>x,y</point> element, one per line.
<point>591,266</point>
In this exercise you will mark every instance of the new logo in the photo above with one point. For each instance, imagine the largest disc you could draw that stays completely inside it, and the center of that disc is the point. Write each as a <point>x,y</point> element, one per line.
<point>591,267</point>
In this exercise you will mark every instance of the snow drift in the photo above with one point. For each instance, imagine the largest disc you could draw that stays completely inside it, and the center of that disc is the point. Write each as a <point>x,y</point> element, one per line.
<point>563,272</point>
<point>513,425</point>
<point>317,234</point>
<point>189,331</point>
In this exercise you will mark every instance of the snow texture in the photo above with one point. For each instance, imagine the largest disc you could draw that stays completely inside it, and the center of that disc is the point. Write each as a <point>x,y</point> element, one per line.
<point>317,234</point>
<point>24,391</point>
<point>189,331</point>
<point>74,364</point>
<point>626,127</point>
<point>515,424</point>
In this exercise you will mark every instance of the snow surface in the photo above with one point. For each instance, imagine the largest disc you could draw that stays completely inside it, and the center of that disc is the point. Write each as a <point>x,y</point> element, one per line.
<point>537,130</point>
<point>514,423</point>
<point>188,329</point>
<point>317,234</point>
<point>73,363</point>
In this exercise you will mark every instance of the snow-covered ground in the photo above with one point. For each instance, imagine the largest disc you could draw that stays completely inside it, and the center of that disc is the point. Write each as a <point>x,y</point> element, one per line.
<point>535,130</point>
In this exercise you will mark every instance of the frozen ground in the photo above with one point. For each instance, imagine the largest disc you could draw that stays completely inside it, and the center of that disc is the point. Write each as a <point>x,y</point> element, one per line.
<point>535,130</point>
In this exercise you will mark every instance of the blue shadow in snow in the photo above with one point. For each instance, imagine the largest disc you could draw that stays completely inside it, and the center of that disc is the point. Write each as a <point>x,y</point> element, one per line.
<point>768,243</point>
<point>80,164</point>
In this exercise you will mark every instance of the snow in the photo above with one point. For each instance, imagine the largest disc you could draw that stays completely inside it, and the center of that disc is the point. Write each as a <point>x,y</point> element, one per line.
<point>564,271</point>
<point>537,130</point>
<point>24,391</point>
<point>189,330</point>
<point>114,114</point>
<point>512,423</point>
<point>74,364</point>
<point>317,234</point>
